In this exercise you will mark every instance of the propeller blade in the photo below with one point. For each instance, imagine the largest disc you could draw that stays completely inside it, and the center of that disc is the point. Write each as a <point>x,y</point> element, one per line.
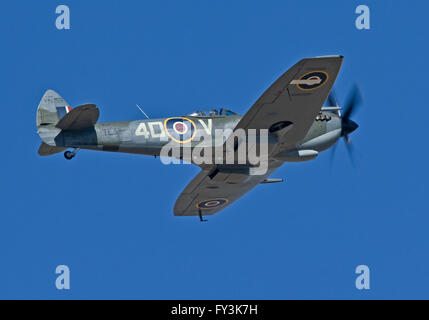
<point>332,157</point>
<point>347,139</point>
<point>350,150</point>
<point>353,101</point>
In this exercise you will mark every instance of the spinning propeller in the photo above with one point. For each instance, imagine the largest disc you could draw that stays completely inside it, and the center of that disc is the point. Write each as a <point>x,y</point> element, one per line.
<point>347,125</point>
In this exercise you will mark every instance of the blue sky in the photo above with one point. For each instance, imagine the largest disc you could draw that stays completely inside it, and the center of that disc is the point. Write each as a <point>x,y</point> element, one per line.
<point>109,216</point>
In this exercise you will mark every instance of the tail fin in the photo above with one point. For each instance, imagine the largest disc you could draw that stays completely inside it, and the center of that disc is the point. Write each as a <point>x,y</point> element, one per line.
<point>51,109</point>
<point>55,115</point>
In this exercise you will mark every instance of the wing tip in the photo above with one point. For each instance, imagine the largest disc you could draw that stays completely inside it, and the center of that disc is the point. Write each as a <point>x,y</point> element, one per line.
<point>329,56</point>
<point>333,58</point>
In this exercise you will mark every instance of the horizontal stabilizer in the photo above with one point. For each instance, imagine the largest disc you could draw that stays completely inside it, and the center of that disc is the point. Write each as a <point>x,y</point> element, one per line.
<point>46,150</point>
<point>80,118</point>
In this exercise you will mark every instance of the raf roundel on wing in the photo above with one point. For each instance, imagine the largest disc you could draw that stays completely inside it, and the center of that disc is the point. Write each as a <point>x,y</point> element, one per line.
<point>211,204</point>
<point>312,80</point>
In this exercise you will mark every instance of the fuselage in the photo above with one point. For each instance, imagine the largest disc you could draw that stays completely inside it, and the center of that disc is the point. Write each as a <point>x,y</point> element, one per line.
<point>149,136</point>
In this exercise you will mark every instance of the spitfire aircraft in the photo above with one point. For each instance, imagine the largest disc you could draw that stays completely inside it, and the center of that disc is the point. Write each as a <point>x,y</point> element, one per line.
<point>291,112</point>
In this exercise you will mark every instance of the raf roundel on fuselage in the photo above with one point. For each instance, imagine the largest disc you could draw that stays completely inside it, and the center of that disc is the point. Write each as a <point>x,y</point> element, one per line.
<point>180,129</point>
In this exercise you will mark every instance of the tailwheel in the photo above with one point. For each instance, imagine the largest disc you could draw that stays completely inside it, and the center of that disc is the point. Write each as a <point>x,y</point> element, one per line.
<point>68,155</point>
<point>71,154</point>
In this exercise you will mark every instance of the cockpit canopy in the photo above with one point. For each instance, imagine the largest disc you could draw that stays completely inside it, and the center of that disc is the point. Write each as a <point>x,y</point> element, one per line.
<point>213,113</point>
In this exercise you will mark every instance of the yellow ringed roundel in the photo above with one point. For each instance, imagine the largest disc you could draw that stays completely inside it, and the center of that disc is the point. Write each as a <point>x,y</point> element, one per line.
<point>180,129</point>
<point>213,203</point>
<point>314,80</point>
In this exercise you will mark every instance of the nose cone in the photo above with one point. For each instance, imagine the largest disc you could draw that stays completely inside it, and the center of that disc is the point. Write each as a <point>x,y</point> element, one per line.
<point>349,126</point>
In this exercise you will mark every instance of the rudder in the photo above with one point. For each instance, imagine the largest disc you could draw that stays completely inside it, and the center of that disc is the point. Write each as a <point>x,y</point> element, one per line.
<point>51,109</point>
<point>54,115</point>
